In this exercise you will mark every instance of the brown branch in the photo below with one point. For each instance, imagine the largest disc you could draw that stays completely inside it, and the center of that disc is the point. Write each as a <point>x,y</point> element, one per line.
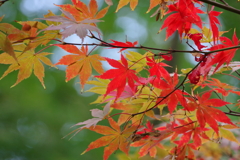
<point>105,44</point>
<point>232,114</point>
<point>224,2</point>
<point>184,125</point>
<point>219,5</point>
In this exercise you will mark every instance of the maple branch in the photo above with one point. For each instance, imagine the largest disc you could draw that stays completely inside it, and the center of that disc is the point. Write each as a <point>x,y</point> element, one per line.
<point>218,50</point>
<point>184,125</point>
<point>219,5</point>
<point>224,2</point>
<point>232,114</point>
<point>50,45</point>
<point>105,44</point>
<point>237,73</point>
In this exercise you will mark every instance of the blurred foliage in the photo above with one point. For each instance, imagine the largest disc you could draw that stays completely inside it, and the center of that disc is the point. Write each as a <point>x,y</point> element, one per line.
<point>33,121</point>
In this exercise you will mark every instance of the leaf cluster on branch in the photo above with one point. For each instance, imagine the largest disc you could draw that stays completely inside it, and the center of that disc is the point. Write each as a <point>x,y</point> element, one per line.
<point>139,84</point>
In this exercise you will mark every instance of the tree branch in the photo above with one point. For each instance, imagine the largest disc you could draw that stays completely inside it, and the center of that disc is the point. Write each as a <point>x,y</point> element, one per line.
<point>225,7</point>
<point>105,44</point>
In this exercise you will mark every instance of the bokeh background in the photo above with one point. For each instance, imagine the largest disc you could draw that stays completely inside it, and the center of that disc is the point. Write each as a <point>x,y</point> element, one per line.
<point>34,120</point>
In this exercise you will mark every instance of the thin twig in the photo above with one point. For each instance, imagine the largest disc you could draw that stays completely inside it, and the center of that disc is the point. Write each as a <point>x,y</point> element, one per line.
<point>224,2</point>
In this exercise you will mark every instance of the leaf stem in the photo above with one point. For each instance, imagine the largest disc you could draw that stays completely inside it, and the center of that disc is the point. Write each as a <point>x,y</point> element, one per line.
<point>43,49</point>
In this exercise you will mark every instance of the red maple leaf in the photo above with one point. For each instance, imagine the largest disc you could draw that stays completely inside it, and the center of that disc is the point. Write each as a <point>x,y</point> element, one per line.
<point>157,68</point>
<point>120,76</point>
<point>224,56</point>
<point>122,44</point>
<point>185,15</point>
<point>213,23</point>
<point>168,86</point>
<point>196,37</point>
<point>206,113</point>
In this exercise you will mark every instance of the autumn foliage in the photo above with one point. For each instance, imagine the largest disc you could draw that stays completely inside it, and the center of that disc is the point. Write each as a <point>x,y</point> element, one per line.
<point>139,88</point>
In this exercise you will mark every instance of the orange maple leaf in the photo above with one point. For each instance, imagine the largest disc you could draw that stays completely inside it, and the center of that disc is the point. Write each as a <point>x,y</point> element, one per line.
<point>189,129</point>
<point>113,138</point>
<point>150,139</point>
<point>79,63</point>
<point>222,88</point>
<point>81,11</point>
<point>133,4</point>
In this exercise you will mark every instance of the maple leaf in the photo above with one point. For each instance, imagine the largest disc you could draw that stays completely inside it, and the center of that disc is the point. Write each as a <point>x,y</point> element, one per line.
<point>207,35</point>
<point>122,44</point>
<point>213,23</point>
<point>167,87</point>
<point>133,4</point>
<point>81,10</point>
<point>6,46</point>
<point>26,63</point>
<point>137,60</point>
<point>189,130</point>
<point>157,69</point>
<point>149,139</point>
<point>196,38</point>
<point>80,63</point>
<point>71,26</point>
<point>181,151</point>
<point>98,116</point>
<point>127,93</point>
<point>207,114</point>
<point>113,138</point>
<point>162,7</point>
<point>222,88</point>
<point>120,76</point>
<point>27,35</point>
<point>227,134</point>
<point>167,57</point>
<point>224,56</point>
<point>185,15</point>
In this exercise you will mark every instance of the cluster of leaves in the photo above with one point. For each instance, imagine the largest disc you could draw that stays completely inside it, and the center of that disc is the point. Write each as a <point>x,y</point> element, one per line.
<point>193,119</point>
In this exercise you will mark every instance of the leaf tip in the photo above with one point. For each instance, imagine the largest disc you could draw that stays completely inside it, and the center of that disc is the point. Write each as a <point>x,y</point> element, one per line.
<point>83,152</point>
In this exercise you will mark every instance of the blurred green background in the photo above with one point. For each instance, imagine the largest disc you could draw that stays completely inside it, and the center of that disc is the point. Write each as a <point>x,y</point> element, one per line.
<point>33,121</point>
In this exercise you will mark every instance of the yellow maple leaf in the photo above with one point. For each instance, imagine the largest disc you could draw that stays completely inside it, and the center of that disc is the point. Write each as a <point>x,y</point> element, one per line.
<point>26,64</point>
<point>133,4</point>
